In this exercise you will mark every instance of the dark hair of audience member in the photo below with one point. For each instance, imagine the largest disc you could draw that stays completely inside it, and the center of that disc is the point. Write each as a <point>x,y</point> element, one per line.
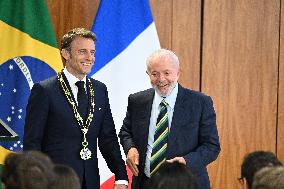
<point>172,175</point>
<point>27,170</point>
<point>269,178</point>
<point>255,161</point>
<point>65,178</point>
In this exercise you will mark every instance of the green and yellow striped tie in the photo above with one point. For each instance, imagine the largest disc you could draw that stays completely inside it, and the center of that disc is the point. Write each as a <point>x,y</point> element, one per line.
<point>158,155</point>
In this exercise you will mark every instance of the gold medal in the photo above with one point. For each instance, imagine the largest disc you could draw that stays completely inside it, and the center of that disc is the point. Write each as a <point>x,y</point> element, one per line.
<point>85,153</point>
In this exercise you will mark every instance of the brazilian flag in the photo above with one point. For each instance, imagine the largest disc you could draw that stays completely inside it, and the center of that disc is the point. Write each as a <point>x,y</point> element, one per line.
<point>28,54</point>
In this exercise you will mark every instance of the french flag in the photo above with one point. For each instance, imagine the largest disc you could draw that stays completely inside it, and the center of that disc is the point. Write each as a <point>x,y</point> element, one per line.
<point>126,36</point>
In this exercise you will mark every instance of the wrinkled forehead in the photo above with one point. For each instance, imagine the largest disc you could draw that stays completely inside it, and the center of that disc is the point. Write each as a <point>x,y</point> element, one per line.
<point>163,61</point>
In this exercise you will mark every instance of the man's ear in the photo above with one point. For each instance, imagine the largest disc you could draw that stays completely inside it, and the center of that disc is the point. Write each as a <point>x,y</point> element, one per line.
<point>65,54</point>
<point>179,70</point>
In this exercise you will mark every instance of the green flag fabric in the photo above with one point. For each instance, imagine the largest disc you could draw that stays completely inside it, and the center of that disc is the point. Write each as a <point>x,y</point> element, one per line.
<point>28,54</point>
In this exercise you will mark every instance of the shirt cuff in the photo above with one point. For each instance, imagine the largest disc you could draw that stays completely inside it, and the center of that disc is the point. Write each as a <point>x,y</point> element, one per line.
<point>125,182</point>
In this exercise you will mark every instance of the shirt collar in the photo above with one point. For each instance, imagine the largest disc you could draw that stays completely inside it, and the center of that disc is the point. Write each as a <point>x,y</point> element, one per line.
<point>71,78</point>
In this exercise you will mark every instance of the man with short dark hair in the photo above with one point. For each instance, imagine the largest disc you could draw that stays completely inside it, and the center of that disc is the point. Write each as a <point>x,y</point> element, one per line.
<point>253,162</point>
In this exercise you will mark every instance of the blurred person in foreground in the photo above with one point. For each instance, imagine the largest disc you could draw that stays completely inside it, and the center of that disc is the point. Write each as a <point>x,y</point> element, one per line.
<point>252,163</point>
<point>27,170</point>
<point>65,178</point>
<point>171,176</point>
<point>269,178</point>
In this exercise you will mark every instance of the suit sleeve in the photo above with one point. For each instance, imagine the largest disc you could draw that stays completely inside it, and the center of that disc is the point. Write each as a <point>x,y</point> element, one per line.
<point>208,141</point>
<point>125,134</point>
<point>37,112</point>
<point>109,146</point>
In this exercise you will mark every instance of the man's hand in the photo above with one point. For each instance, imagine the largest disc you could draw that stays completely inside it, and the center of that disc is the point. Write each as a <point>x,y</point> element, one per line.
<point>120,186</point>
<point>177,159</point>
<point>133,160</point>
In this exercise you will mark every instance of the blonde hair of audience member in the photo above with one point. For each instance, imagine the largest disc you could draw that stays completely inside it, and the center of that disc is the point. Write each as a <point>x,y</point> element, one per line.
<point>65,178</point>
<point>269,178</point>
<point>27,170</point>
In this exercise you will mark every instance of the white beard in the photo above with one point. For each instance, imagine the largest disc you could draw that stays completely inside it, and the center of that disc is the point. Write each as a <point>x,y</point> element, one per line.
<point>168,92</point>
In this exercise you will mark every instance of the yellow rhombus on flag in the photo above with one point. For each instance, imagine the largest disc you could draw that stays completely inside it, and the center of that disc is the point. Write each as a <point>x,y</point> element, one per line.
<point>28,54</point>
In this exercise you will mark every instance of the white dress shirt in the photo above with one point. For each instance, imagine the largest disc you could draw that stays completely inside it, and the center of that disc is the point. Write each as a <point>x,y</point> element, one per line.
<point>72,83</point>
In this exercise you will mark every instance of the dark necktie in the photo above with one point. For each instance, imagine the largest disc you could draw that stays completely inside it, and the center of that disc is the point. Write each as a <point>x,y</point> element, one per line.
<point>158,155</point>
<point>82,99</point>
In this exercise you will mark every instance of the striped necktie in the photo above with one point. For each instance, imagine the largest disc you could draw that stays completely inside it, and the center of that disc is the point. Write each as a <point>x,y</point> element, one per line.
<point>158,155</point>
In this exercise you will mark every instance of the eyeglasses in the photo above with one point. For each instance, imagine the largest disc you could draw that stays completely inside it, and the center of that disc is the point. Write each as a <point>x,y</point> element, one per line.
<point>241,180</point>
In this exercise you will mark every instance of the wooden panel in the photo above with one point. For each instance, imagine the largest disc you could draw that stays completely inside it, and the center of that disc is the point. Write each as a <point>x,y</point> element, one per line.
<point>68,14</point>
<point>162,15</point>
<point>239,67</point>
<point>186,40</point>
<point>280,130</point>
<point>240,70</point>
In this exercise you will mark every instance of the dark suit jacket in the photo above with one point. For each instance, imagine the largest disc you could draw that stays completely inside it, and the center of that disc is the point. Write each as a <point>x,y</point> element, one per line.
<point>51,128</point>
<point>193,133</point>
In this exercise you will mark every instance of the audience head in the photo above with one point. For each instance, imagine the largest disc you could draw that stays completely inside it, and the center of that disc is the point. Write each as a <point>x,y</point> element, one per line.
<point>27,170</point>
<point>269,178</point>
<point>65,178</point>
<point>255,161</point>
<point>172,175</point>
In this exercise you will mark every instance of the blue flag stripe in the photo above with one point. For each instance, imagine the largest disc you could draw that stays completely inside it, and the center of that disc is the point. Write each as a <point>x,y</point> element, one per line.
<point>118,27</point>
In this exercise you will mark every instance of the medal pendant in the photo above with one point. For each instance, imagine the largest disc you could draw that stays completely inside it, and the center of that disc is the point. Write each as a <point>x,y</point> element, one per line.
<point>85,153</point>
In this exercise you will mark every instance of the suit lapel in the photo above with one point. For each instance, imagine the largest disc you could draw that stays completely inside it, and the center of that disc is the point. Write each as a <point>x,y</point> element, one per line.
<point>146,108</point>
<point>69,88</point>
<point>88,93</point>
<point>178,116</point>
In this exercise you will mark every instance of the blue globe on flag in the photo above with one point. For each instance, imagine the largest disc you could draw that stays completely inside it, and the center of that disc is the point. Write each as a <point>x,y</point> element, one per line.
<point>17,78</point>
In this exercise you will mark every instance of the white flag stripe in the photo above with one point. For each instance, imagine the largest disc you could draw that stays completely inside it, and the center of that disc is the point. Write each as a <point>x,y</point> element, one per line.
<point>126,74</point>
